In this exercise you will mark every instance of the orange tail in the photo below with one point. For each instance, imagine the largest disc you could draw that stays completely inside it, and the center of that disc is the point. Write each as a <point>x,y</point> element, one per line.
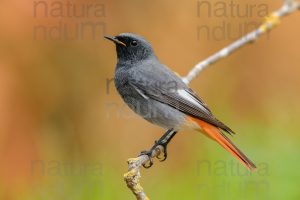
<point>214,133</point>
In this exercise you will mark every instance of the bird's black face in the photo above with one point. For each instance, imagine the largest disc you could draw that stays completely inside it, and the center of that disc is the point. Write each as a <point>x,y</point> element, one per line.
<point>131,47</point>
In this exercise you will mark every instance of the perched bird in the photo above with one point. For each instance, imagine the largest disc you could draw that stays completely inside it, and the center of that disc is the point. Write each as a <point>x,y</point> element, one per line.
<point>158,95</point>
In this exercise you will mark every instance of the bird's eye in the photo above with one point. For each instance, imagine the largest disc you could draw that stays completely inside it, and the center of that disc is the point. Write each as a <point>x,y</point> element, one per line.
<point>133,43</point>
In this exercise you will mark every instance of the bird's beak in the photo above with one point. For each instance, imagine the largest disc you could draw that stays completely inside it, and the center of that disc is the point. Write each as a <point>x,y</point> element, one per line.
<point>115,40</point>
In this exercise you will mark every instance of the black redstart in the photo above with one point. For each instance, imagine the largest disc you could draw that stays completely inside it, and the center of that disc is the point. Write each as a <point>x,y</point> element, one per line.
<point>158,95</point>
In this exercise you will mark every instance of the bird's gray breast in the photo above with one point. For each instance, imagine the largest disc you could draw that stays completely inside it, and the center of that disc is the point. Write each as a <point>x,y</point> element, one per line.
<point>153,111</point>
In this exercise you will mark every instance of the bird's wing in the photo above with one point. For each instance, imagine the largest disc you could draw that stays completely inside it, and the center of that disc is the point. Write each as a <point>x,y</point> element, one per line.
<point>182,99</point>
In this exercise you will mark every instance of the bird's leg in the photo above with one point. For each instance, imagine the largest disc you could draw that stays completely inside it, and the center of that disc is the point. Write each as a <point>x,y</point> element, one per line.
<point>163,141</point>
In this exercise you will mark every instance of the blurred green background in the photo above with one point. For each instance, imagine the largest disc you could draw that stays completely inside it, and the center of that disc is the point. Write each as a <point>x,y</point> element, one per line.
<point>66,134</point>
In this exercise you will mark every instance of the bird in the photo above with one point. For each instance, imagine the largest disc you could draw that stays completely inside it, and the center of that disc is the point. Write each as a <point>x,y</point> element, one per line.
<point>156,93</point>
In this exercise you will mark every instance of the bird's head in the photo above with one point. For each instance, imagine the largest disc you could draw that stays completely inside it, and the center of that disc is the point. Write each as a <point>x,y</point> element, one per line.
<point>131,47</point>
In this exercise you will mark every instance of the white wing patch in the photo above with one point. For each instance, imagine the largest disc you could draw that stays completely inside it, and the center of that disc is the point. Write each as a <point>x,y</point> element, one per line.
<point>141,93</point>
<point>187,96</point>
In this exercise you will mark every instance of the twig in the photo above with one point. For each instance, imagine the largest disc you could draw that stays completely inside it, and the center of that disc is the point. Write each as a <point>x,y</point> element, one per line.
<point>132,177</point>
<point>270,22</point>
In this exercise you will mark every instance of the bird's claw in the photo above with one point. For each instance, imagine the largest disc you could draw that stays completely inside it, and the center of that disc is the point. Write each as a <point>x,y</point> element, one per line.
<point>163,152</point>
<point>148,164</point>
<point>164,155</point>
<point>161,157</point>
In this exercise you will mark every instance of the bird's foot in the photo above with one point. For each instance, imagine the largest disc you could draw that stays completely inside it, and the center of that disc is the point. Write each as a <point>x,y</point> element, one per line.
<point>163,154</point>
<point>159,157</point>
<point>149,154</point>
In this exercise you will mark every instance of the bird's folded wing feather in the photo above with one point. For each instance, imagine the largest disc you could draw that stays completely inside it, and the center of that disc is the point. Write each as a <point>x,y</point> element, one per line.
<point>182,99</point>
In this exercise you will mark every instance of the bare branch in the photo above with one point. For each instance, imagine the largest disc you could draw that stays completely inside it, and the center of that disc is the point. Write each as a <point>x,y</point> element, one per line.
<point>132,177</point>
<point>271,21</point>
